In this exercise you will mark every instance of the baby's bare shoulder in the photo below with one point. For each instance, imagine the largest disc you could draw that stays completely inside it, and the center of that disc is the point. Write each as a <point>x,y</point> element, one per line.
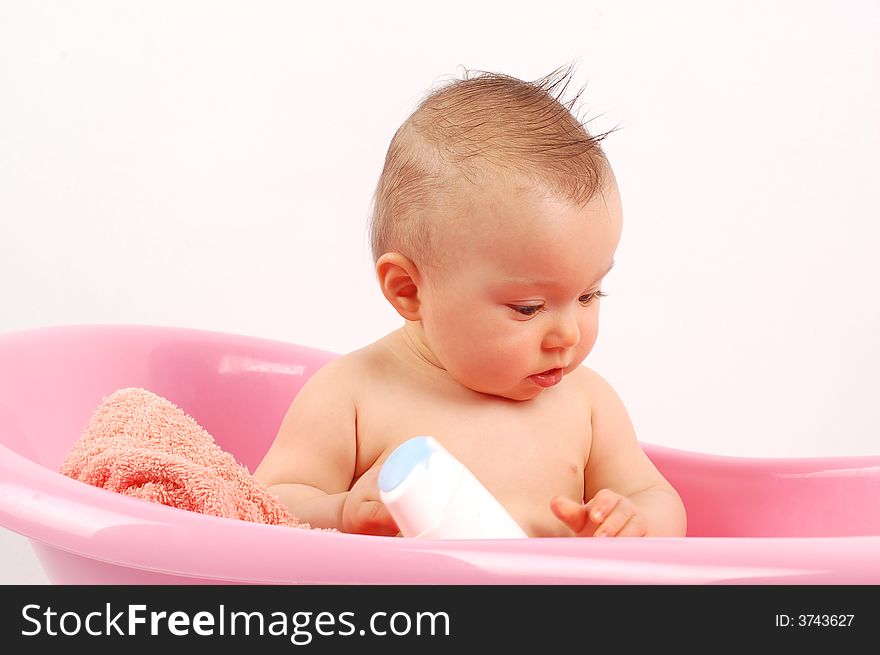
<point>349,371</point>
<point>585,380</point>
<point>592,387</point>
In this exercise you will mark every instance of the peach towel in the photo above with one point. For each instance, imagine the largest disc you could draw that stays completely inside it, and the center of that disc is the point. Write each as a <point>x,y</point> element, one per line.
<point>142,445</point>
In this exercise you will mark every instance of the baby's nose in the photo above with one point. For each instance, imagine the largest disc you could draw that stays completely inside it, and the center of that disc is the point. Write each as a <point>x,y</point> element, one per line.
<point>564,332</point>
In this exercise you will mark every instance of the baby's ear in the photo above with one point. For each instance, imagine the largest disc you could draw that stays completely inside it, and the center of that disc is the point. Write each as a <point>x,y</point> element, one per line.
<point>399,280</point>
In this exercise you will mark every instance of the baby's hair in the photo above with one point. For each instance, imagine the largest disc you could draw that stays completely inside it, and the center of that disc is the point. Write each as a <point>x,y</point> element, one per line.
<point>482,128</point>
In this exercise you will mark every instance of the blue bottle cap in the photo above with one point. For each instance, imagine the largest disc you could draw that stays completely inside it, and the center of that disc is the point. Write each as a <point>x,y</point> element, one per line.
<point>404,459</point>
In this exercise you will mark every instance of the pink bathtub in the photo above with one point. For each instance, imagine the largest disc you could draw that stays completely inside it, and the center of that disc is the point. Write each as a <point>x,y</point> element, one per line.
<point>760,521</point>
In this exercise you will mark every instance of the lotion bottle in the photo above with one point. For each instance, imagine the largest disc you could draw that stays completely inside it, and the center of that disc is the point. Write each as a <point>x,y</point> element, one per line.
<point>430,494</point>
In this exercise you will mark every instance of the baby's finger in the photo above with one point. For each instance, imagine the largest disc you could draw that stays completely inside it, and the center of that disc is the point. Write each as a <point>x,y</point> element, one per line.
<point>602,505</point>
<point>573,514</point>
<point>614,522</point>
<point>635,527</point>
<point>372,517</point>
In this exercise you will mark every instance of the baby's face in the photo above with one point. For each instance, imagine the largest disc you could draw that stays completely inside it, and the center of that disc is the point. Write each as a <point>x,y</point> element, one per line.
<point>515,307</point>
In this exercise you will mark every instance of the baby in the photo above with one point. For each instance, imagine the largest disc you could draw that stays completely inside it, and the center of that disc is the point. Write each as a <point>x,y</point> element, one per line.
<point>495,220</point>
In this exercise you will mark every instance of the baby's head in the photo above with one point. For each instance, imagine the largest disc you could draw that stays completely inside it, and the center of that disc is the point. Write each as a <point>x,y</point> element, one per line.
<point>495,219</point>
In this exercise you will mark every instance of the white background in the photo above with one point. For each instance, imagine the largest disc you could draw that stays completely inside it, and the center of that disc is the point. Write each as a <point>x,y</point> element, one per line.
<point>211,165</point>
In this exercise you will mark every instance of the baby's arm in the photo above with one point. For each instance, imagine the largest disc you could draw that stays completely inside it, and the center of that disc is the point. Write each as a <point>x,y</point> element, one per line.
<point>311,463</point>
<point>627,495</point>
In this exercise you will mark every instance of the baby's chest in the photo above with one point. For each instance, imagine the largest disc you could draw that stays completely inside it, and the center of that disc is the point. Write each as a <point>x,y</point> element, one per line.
<point>517,450</point>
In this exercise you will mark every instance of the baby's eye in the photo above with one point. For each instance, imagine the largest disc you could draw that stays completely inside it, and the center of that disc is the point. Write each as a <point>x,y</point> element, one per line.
<point>587,298</point>
<point>526,310</point>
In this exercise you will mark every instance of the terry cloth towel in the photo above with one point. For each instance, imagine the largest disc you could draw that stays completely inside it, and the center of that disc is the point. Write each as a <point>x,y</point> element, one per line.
<point>142,445</point>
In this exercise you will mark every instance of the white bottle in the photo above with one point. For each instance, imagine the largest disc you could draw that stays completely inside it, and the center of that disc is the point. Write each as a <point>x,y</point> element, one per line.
<point>431,494</point>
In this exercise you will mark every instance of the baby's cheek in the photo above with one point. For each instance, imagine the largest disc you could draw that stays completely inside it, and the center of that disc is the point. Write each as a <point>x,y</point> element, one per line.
<point>515,352</point>
<point>589,333</point>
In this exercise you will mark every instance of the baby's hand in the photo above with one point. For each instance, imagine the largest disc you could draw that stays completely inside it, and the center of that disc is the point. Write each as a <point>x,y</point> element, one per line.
<point>607,514</point>
<point>363,512</point>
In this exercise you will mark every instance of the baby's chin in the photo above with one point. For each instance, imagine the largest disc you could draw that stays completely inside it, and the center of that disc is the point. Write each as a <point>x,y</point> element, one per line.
<point>519,392</point>
<point>523,395</point>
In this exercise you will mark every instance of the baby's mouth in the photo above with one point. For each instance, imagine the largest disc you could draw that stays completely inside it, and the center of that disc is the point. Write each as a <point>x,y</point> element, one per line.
<point>548,378</point>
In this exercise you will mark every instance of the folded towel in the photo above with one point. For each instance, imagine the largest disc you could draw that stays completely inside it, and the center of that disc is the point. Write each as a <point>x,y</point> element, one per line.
<point>141,445</point>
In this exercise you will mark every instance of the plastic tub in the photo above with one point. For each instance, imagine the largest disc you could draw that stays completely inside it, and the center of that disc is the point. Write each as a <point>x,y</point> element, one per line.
<point>789,521</point>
